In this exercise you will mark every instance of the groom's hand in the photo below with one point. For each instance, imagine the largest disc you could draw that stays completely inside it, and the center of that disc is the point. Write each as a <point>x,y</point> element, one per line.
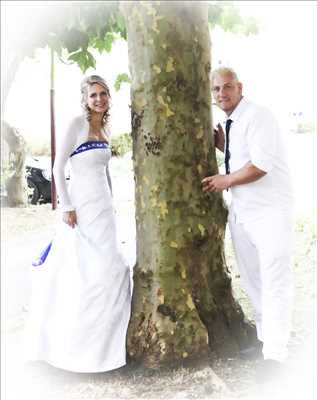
<point>216,183</point>
<point>219,137</point>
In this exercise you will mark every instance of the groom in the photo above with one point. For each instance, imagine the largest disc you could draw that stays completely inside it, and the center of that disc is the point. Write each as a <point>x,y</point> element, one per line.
<point>260,214</point>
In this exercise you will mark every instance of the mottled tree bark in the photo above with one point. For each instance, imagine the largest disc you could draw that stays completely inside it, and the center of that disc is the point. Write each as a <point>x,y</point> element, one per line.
<point>182,303</point>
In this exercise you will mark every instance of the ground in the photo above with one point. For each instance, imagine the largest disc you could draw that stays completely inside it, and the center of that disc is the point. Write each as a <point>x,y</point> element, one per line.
<point>25,231</point>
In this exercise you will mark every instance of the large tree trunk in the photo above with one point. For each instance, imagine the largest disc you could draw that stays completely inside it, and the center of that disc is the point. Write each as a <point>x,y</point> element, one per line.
<point>182,298</point>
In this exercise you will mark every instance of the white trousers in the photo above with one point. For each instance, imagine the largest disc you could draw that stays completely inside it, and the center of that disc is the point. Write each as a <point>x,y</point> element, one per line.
<point>263,250</point>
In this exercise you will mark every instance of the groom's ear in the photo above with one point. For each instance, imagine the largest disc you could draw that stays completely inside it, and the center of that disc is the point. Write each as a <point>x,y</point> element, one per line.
<point>240,86</point>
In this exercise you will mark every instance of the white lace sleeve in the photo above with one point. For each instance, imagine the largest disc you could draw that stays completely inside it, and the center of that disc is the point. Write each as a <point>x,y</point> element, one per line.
<point>64,148</point>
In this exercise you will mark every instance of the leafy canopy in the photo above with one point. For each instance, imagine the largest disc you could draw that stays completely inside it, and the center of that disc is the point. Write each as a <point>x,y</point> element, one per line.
<point>74,29</point>
<point>226,15</point>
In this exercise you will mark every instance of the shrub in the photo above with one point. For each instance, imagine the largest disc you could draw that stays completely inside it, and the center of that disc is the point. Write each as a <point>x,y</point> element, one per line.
<point>121,144</point>
<point>38,147</point>
<point>220,158</point>
<point>306,127</point>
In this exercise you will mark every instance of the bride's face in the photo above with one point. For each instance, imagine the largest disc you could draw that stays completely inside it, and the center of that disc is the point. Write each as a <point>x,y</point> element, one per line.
<point>97,98</point>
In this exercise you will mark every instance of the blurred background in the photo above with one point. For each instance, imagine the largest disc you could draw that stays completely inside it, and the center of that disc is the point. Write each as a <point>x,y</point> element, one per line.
<point>277,67</point>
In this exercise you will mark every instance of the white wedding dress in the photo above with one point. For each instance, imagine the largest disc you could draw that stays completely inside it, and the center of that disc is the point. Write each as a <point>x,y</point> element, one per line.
<point>80,302</point>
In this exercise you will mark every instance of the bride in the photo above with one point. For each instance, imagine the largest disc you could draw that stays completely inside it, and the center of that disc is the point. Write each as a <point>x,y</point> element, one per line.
<point>80,303</point>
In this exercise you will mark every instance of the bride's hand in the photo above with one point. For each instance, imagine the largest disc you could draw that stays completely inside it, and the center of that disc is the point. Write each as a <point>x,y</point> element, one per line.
<point>70,218</point>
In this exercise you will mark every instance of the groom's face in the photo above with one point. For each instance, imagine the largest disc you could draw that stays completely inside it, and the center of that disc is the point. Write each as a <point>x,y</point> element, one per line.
<point>227,92</point>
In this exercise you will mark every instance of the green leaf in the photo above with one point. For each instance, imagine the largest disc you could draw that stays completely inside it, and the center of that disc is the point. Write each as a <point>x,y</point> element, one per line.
<point>84,59</point>
<point>97,44</point>
<point>103,44</point>
<point>121,78</point>
<point>108,41</point>
<point>91,62</point>
<point>78,57</point>
<point>120,25</point>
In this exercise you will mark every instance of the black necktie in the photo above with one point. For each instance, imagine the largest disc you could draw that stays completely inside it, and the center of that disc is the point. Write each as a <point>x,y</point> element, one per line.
<point>227,152</point>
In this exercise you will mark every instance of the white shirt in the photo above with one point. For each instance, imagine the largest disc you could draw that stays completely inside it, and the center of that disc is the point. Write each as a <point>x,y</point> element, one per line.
<point>255,137</point>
